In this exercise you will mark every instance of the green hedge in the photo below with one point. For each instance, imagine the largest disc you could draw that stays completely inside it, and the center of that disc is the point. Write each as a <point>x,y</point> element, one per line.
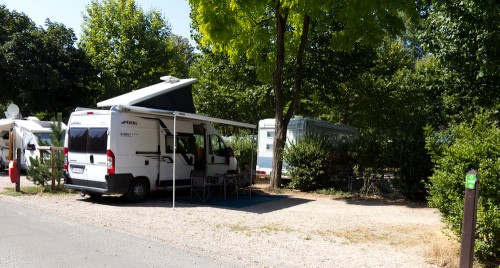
<point>308,162</point>
<point>454,152</point>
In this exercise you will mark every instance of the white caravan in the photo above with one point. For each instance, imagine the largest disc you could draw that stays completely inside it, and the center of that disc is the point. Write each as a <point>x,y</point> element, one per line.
<point>297,127</point>
<point>24,134</point>
<point>129,149</point>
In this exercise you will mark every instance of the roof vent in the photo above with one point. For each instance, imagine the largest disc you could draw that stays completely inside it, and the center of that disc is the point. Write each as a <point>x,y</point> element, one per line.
<point>170,79</point>
<point>298,116</point>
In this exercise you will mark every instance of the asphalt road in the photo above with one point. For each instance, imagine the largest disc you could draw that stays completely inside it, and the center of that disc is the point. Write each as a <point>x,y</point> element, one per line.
<point>30,238</point>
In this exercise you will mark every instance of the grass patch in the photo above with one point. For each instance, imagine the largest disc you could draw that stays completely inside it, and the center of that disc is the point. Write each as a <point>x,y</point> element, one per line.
<point>276,227</point>
<point>334,192</point>
<point>239,227</point>
<point>271,227</point>
<point>38,190</point>
<point>438,248</point>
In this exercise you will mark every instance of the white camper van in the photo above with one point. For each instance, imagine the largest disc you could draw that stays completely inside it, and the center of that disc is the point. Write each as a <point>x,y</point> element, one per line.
<point>129,148</point>
<point>297,127</point>
<point>25,134</point>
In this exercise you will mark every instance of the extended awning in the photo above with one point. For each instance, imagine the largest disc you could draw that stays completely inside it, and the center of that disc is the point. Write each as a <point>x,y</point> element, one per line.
<point>178,114</point>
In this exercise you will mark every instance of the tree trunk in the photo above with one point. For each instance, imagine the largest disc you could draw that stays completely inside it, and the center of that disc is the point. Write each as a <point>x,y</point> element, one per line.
<point>278,146</point>
<point>281,119</point>
<point>280,127</point>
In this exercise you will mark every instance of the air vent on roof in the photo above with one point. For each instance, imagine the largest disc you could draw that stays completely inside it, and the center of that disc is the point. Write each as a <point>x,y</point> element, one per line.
<point>170,79</point>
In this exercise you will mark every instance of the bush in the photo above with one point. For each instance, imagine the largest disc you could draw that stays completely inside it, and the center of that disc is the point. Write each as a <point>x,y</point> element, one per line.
<point>454,152</point>
<point>308,162</point>
<point>243,148</point>
<point>40,173</point>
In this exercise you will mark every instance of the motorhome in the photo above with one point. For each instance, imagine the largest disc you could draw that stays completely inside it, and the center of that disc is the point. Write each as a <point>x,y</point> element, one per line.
<point>147,140</point>
<point>297,128</point>
<point>25,134</point>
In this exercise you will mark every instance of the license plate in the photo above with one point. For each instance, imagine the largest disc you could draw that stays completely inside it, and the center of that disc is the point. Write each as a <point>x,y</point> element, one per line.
<point>77,170</point>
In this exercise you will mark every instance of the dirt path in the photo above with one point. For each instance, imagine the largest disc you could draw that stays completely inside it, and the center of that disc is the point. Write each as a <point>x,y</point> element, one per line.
<point>273,231</point>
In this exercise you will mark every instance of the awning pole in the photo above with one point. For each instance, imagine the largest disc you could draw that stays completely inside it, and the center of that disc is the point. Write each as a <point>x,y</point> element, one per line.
<point>251,160</point>
<point>174,157</point>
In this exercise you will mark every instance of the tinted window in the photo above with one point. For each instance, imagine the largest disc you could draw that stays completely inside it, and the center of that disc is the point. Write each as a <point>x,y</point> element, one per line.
<point>77,140</point>
<point>217,145</point>
<point>97,140</point>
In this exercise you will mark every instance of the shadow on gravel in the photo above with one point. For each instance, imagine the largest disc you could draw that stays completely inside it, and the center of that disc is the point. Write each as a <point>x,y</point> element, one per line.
<point>382,202</point>
<point>259,203</point>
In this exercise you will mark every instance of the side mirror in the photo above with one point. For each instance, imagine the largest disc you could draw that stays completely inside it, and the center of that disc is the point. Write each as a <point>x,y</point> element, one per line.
<point>30,146</point>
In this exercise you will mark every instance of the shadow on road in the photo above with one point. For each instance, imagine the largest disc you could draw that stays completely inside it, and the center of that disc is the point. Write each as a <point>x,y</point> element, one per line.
<point>259,203</point>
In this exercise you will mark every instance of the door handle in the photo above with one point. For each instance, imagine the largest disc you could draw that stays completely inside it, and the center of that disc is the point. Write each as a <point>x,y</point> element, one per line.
<point>91,159</point>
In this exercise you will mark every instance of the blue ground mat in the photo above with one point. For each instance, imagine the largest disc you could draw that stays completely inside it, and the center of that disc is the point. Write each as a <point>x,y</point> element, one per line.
<point>243,201</point>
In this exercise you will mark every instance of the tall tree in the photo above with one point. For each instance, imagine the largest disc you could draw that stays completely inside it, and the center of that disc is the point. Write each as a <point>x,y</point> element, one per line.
<point>464,37</point>
<point>131,48</point>
<point>274,33</point>
<point>41,70</point>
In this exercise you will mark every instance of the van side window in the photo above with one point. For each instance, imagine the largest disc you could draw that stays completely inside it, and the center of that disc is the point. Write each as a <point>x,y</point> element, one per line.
<point>77,140</point>
<point>97,140</point>
<point>218,146</point>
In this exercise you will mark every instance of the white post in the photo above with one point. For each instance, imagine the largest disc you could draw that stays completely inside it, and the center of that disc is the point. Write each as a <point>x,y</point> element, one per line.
<point>174,156</point>
<point>251,161</point>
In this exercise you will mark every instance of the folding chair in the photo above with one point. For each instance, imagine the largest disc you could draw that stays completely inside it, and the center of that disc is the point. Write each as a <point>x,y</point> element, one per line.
<point>245,186</point>
<point>199,186</point>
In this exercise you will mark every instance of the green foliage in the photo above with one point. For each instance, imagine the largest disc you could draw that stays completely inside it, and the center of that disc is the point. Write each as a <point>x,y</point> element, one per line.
<point>279,31</point>
<point>230,90</point>
<point>244,147</point>
<point>40,172</point>
<point>463,36</point>
<point>308,162</point>
<point>131,48</point>
<point>462,147</point>
<point>41,70</point>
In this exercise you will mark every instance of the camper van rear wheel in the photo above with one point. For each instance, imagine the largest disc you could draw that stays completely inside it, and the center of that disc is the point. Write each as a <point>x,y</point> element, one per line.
<point>138,190</point>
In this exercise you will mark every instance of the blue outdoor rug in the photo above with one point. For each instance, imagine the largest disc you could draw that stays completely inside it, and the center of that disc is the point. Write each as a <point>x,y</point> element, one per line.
<point>237,202</point>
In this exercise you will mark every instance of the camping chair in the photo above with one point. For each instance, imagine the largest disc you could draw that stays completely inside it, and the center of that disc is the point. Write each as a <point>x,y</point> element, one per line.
<point>245,186</point>
<point>199,186</point>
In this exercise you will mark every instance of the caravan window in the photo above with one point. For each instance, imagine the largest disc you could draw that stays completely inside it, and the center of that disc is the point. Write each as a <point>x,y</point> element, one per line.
<point>43,138</point>
<point>270,134</point>
<point>185,144</point>
<point>77,140</point>
<point>217,145</point>
<point>97,140</point>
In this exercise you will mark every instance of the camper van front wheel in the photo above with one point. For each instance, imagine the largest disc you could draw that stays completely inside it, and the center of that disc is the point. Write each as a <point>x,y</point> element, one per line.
<point>138,190</point>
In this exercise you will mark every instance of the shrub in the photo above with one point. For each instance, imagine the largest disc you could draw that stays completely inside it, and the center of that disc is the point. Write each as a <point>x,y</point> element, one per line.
<point>308,162</point>
<point>243,148</point>
<point>40,173</point>
<point>462,147</point>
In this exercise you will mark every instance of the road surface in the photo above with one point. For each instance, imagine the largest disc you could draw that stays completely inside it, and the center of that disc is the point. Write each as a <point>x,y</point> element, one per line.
<point>30,238</point>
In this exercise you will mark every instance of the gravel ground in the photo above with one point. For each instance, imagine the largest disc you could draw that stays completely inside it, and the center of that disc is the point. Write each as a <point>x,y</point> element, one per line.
<point>304,230</point>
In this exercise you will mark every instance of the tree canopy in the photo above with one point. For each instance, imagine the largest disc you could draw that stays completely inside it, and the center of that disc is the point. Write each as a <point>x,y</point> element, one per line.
<point>131,48</point>
<point>279,31</point>
<point>41,69</point>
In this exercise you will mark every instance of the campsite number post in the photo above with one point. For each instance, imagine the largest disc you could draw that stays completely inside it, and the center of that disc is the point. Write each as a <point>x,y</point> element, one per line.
<point>469,218</point>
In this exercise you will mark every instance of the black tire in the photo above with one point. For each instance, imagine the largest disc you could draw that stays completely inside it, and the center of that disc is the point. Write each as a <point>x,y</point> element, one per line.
<point>138,190</point>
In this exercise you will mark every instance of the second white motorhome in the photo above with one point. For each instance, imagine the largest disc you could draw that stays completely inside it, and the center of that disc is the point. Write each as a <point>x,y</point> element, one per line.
<point>25,135</point>
<point>129,149</point>
<point>297,127</point>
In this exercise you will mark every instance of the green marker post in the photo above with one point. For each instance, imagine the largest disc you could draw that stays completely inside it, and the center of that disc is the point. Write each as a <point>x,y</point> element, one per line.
<point>469,219</point>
